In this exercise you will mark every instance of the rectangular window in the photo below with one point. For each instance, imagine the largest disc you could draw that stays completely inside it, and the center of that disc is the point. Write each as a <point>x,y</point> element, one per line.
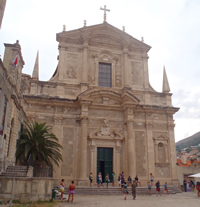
<point>105,75</point>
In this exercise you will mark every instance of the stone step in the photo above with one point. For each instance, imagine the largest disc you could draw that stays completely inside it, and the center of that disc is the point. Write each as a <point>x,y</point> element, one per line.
<point>16,167</point>
<point>13,174</point>
<point>15,171</point>
<point>116,190</point>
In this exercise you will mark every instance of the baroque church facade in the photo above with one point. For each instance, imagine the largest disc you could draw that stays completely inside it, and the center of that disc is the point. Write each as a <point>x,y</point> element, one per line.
<point>99,103</point>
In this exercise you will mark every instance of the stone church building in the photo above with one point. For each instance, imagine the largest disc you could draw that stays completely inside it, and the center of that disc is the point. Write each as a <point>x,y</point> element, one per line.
<point>100,104</point>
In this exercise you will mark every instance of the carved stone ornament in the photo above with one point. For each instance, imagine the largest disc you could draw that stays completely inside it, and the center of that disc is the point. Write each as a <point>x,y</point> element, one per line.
<point>171,126</point>
<point>105,131</point>
<point>149,125</point>
<point>58,120</point>
<point>84,120</point>
<point>161,139</point>
<point>92,148</point>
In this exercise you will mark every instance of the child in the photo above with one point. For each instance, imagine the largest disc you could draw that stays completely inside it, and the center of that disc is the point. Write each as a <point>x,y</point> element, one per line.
<point>90,178</point>
<point>165,189</point>
<point>71,191</point>
<point>149,187</point>
<point>107,180</point>
<point>62,188</point>
<point>125,190</point>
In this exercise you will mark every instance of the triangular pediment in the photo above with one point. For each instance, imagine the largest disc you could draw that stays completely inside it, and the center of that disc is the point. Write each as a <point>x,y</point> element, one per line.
<point>108,98</point>
<point>105,34</point>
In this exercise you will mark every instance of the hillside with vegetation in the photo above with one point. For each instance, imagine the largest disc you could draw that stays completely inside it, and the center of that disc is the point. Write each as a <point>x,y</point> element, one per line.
<point>189,141</point>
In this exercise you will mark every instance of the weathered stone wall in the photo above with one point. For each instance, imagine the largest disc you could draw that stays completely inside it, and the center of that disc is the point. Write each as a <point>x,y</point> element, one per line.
<point>141,168</point>
<point>26,189</point>
<point>185,171</point>
<point>67,153</point>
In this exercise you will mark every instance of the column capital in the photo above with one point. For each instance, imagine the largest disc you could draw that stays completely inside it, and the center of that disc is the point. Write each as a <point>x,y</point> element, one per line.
<point>130,122</point>
<point>118,149</point>
<point>170,127</point>
<point>92,148</point>
<point>84,119</point>
<point>58,120</point>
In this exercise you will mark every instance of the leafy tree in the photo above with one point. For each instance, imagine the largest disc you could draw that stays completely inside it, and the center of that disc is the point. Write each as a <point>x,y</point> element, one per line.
<point>38,140</point>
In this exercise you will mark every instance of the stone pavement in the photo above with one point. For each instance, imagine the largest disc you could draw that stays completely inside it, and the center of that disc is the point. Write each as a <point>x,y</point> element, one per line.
<point>182,199</point>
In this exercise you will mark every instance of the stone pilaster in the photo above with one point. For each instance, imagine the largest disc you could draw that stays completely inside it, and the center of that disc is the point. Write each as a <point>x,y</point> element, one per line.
<point>150,148</point>
<point>126,69</point>
<point>146,71</point>
<point>131,149</point>
<point>92,160</point>
<point>83,149</point>
<point>61,62</point>
<point>84,80</point>
<point>166,153</point>
<point>174,174</point>
<point>117,171</point>
<point>57,130</point>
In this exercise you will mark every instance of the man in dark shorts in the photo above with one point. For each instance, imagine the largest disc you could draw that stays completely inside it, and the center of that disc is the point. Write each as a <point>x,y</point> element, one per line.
<point>158,188</point>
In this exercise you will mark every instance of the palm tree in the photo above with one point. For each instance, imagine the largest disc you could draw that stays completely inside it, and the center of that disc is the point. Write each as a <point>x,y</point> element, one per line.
<point>38,141</point>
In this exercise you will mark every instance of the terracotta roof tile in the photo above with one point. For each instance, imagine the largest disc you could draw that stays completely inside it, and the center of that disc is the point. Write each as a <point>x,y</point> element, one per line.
<point>188,163</point>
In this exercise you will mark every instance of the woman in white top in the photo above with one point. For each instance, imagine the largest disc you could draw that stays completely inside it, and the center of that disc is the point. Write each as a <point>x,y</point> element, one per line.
<point>62,188</point>
<point>151,179</point>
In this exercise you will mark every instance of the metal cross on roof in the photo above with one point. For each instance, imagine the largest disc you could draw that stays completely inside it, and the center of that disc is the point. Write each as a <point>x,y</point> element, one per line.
<point>105,10</point>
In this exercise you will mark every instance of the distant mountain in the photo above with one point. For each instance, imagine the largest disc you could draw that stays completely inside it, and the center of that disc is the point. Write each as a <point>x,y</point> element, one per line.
<point>189,141</point>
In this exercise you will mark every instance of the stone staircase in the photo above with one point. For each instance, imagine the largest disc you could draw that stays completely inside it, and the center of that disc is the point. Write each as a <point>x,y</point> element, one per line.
<point>15,171</point>
<point>117,190</point>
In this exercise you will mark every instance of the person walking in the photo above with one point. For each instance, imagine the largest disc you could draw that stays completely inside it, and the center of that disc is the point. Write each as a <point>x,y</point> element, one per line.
<point>107,180</point>
<point>90,179</point>
<point>149,187</point>
<point>71,191</point>
<point>134,189</point>
<point>158,188</point>
<point>62,188</point>
<point>113,179</point>
<point>165,189</point>
<point>125,190</point>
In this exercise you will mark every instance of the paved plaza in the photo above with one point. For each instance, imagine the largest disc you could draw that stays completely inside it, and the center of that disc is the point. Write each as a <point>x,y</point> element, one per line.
<point>180,199</point>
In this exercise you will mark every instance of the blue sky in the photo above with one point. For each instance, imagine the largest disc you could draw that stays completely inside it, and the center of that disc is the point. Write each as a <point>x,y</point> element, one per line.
<point>171,28</point>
